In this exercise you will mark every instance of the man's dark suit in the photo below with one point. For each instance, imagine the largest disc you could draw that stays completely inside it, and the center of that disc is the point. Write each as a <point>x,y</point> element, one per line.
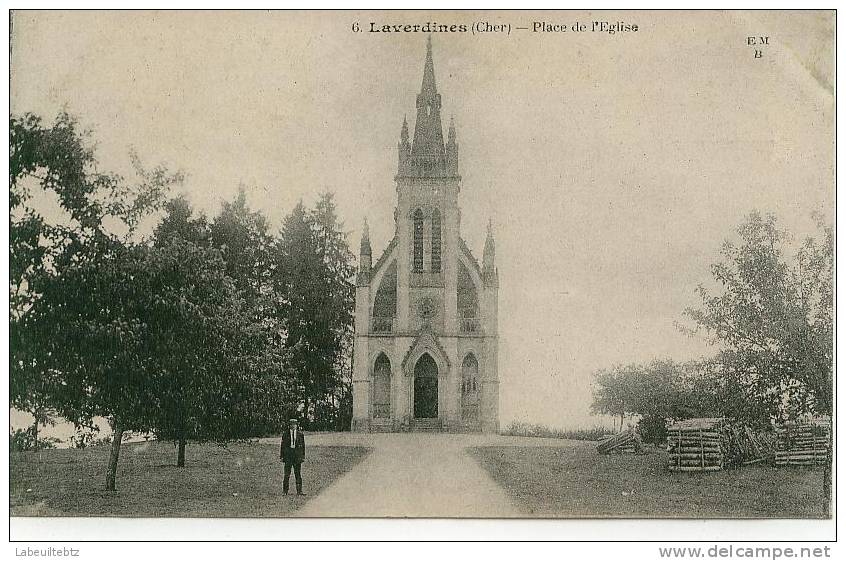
<point>292,457</point>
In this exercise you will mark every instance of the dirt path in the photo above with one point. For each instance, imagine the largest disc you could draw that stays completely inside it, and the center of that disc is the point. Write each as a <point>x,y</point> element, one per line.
<point>414,475</point>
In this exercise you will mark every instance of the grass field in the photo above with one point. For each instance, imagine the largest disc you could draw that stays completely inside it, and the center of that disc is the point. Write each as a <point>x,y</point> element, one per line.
<point>578,482</point>
<point>240,480</point>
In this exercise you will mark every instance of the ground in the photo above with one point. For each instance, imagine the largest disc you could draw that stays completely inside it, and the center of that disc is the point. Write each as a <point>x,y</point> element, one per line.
<point>239,480</point>
<point>402,475</point>
<point>577,482</point>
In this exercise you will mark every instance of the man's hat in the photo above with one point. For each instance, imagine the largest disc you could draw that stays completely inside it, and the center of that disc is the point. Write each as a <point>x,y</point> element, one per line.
<point>292,420</point>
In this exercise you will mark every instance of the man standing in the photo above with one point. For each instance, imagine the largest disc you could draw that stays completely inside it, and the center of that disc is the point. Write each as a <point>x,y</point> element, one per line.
<point>292,454</point>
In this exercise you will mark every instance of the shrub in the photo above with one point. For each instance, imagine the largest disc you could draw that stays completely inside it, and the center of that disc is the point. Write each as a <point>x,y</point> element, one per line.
<point>541,431</point>
<point>22,440</point>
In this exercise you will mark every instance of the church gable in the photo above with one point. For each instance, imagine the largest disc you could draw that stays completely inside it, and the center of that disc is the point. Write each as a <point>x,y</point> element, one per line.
<point>426,342</point>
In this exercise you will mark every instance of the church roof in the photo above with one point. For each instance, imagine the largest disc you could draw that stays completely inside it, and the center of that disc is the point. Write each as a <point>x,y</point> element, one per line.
<point>470,257</point>
<point>385,254</point>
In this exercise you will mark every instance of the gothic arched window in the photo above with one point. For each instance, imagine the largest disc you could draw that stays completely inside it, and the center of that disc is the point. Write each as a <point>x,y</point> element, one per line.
<point>468,301</point>
<point>382,387</point>
<point>418,241</point>
<point>470,388</point>
<point>436,242</point>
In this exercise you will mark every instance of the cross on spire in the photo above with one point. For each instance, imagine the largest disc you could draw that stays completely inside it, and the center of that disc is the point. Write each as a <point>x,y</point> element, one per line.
<point>429,86</point>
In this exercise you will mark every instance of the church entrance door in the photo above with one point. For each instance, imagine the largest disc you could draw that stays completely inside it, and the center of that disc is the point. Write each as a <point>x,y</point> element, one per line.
<point>426,388</point>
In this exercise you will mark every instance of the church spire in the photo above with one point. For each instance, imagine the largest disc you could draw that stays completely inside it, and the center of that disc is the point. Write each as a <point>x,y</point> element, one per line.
<point>429,86</point>
<point>428,158</point>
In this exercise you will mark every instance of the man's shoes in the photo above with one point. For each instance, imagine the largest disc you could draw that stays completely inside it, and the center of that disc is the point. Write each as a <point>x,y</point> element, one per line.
<point>300,493</point>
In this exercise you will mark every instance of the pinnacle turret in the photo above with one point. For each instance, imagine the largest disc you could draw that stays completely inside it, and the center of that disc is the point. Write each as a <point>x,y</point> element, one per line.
<point>451,150</point>
<point>365,239</point>
<point>489,271</point>
<point>365,260</point>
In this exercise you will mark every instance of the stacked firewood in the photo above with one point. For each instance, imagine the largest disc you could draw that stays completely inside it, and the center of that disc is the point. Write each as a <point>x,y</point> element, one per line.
<point>803,443</point>
<point>741,446</point>
<point>626,442</point>
<point>695,445</point>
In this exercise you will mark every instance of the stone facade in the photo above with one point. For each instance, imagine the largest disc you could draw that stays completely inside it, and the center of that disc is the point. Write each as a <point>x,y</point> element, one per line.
<point>426,312</point>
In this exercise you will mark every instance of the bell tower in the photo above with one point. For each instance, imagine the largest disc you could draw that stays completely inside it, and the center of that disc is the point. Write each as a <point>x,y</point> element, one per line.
<point>426,328</point>
<point>427,184</point>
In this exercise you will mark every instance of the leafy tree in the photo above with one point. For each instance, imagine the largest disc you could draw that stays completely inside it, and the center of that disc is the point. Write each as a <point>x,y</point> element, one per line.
<point>659,392</point>
<point>613,393</point>
<point>339,265</point>
<point>180,223</point>
<point>298,282</point>
<point>772,319</point>
<point>222,373</point>
<point>51,263</point>
<point>312,277</point>
<point>242,236</point>
<point>89,321</point>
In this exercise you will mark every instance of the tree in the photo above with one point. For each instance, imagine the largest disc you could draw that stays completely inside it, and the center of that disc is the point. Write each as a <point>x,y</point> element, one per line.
<point>242,236</point>
<point>772,320</point>
<point>612,391</point>
<point>312,278</point>
<point>89,321</point>
<point>52,263</point>
<point>339,264</point>
<point>301,302</point>
<point>659,392</point>
<point>220,369</point>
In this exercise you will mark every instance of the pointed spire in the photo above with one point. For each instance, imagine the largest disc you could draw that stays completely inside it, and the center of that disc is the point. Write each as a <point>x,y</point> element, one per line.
<point>365,239</point>
<point>404,132</point>
<point>489,254</point>
<point>365,257</point>
<point>427,150</point>
<point>429,86</point>
<point>489,273</point>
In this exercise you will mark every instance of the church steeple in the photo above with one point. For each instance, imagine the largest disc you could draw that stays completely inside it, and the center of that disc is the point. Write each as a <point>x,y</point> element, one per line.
<point>429,86</point>
<point>428,156</point>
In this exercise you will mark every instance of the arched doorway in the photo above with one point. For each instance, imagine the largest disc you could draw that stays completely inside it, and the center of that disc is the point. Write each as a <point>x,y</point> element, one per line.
<point>426,388</point>
<point>470,388</point>
<point>382,387</point>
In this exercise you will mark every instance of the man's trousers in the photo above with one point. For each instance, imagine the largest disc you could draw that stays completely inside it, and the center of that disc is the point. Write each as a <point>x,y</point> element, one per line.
<point>297,476</point>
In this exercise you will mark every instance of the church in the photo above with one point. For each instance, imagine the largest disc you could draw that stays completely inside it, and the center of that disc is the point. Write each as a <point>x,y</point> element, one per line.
<point>425,356</point>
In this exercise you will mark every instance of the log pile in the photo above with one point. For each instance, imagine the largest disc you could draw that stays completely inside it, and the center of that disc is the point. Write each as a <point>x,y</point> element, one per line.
<point>741,446</point>
<point>695,445</point>
<point>626,442</point>
<point>803,443</point>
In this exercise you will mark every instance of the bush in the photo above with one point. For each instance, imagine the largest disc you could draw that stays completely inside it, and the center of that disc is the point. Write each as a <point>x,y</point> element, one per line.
<point>22,440</point>
<point>542,431</point>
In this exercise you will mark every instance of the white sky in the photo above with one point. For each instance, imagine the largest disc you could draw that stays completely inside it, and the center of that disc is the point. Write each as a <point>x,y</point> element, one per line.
<point>613,166</point>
